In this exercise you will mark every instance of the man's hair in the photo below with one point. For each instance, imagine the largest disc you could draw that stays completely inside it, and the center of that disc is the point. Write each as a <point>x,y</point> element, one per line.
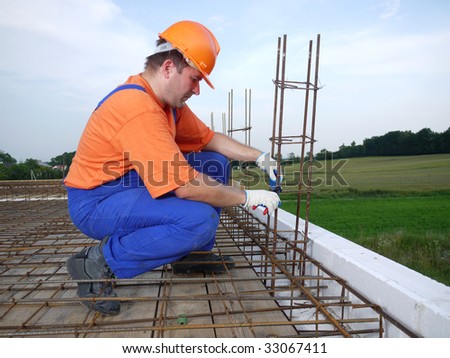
<point>155,61</point>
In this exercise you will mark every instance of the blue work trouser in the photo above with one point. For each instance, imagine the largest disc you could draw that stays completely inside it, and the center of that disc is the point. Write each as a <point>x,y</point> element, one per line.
<point>143,232</point>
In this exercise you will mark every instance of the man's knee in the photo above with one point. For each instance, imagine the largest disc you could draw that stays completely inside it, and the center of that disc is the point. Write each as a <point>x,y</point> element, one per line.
<point>202,223</point>
<point>217,166</point>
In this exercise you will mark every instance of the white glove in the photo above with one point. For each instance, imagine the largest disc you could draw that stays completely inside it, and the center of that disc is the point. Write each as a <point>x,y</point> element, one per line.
<point>269,165</point>
<point>268,199</point>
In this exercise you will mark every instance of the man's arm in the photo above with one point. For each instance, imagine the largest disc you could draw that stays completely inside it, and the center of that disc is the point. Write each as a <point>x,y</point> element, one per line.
<point>205,189</point>
<point>231,148</point>
<point>234,150</point>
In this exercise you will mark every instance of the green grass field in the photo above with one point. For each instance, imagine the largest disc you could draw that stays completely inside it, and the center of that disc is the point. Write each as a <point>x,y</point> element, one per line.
<point>414,231</point>
<point>396,206</point>
<point>421,174</point>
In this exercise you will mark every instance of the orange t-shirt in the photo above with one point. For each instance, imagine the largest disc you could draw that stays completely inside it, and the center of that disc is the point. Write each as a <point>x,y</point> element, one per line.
<point>133,130</point>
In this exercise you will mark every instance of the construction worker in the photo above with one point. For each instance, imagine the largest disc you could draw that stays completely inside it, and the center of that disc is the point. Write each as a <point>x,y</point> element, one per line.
<point>149,178</point>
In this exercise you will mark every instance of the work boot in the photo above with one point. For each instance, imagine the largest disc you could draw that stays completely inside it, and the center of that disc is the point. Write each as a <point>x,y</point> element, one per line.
<point>202,262</point>
<point>90,264</point>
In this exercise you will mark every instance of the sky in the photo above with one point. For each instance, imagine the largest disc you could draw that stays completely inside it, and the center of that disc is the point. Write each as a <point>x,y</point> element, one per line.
<point>384,65</point>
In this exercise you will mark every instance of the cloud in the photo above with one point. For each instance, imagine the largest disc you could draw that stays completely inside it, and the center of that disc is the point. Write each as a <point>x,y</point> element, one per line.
<point>374,54</point>
<point>69,42</point>
<point>57,19</point>
<point>390,8</point>
<point>58,58</point>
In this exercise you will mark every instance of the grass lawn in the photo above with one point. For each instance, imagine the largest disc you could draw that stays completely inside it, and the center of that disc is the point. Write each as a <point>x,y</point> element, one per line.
<point>423,173</point>
<point>414,231</point>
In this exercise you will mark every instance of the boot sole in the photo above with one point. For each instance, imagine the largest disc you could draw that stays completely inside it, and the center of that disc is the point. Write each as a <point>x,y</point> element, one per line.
<point>217,267</point>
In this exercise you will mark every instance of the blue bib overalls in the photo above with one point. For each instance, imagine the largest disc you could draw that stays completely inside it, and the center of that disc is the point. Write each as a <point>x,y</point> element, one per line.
<point>143,232</point>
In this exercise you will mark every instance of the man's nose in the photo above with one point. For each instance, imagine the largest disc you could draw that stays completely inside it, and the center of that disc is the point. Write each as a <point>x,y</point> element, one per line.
<point>196,88</point>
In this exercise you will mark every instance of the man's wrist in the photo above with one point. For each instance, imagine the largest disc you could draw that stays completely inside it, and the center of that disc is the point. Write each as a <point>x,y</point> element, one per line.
<point>260,155</point>
<point>246,198</point>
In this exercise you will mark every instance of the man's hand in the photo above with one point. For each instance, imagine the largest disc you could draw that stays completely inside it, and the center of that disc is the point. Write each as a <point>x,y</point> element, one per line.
<point>267,199</point>
<point>269,165</point>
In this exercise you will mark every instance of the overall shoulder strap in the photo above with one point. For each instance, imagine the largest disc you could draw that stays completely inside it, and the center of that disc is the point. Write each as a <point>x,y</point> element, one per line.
<point>174,111</point>
<point>120,88</point>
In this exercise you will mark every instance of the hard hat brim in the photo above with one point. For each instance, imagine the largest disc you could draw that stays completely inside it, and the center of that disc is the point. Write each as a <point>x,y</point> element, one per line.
<point>207,80</point>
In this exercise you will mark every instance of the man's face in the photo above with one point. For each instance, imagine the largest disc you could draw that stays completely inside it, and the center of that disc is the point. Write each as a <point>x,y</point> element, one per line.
<point>182,86</point>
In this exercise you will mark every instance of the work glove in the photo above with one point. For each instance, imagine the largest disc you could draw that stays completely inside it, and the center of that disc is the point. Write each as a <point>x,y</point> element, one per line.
<point>267,199</point>
<point>269,166</point>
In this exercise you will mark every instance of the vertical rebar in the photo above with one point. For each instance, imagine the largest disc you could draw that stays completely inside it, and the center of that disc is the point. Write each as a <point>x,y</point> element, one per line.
<point>275,103</point>
<point>245,117</point>
<point>230,113</point>
<point>311,147</point>
<point>249,115</point>
<point>224,124</point>
<point>302,156</point>
<point>278,154</point>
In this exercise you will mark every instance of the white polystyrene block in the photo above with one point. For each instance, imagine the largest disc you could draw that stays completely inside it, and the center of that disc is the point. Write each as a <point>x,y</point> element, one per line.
<point>418,302</point>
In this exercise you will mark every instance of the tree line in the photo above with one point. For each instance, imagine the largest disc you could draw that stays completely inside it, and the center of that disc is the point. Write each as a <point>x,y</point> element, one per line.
<point>396,143</point>
<point>10,169</point>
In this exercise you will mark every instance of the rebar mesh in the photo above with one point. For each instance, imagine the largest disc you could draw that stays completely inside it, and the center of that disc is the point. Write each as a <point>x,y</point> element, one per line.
<point>263,296</point>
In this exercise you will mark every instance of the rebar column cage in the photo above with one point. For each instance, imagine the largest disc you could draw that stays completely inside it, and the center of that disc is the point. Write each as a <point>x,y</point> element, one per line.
<point>246,129</point>
<point>305,139</point>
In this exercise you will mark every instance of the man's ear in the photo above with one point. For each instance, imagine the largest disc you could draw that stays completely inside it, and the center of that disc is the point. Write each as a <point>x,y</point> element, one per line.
<point>167,68</point>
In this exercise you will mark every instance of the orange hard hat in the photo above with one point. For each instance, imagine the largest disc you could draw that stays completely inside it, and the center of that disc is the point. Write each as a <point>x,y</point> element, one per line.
<point>198,45</point>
